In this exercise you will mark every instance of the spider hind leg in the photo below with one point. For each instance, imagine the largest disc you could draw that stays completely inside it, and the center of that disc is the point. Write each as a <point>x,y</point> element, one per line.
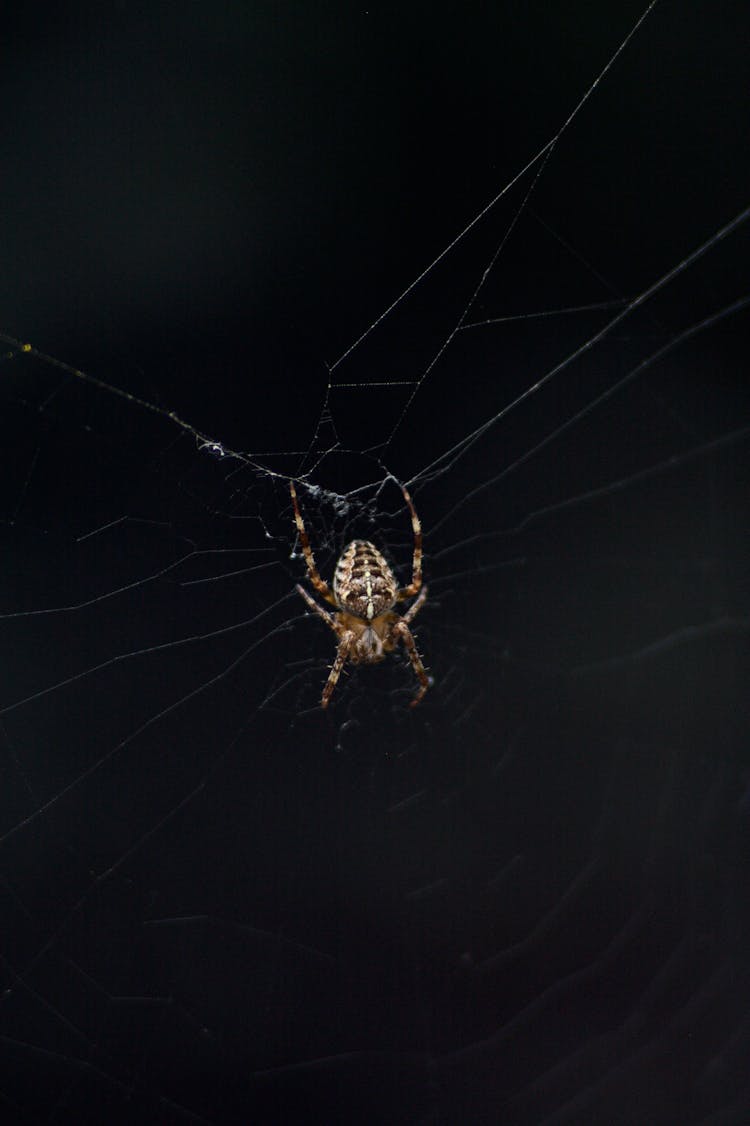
<point>313,573</point>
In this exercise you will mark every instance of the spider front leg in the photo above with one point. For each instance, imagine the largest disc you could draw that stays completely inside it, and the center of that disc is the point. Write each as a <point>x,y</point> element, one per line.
<point>401,630</point>
<point>413,610</point>
<point>345,644</point>
<point>346,637</point>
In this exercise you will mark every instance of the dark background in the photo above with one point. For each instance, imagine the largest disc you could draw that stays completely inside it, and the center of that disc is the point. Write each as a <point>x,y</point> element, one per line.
<point>526,901</point>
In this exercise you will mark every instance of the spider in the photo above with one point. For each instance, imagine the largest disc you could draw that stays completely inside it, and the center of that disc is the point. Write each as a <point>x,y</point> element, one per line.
<point>364,594</point>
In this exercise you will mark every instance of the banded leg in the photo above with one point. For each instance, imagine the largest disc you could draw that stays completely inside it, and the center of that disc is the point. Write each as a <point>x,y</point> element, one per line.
<point>414,609</point>
<point>327,618</point>
<point>416,573</point>
<point>320,584</point>
<point>403,631</point>
<point>345,644</point>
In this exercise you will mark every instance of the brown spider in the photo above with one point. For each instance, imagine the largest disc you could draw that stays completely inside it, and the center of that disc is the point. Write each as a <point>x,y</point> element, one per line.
<point>364,594</point>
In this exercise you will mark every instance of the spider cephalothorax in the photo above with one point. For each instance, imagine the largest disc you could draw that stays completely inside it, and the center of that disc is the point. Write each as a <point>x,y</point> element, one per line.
<point>364,594</point>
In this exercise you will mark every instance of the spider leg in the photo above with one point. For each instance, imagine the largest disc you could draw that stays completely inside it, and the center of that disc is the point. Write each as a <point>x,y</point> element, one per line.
<point>416,571</point>
<point>402,630</point>
<point>414,609</point>
<point>347,637</point>
<point>320,585</point>
<point>329,619</point>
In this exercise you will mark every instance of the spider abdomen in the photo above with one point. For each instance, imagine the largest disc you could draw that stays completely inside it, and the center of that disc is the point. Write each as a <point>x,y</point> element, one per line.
<point>364,584</point>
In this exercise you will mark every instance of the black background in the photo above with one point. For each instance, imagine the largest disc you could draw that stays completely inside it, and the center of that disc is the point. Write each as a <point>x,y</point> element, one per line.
<point>525,901</point>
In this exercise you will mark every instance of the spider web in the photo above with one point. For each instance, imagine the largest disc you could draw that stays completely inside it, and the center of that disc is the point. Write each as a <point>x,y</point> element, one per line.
<point>521,244</point>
